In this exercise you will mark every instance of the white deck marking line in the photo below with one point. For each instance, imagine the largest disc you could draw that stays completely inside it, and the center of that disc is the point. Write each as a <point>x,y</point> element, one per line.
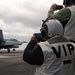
<point>5,56</point>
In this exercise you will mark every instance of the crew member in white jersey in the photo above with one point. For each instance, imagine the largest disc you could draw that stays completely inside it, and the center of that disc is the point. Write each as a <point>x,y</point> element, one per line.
<point>66,16</point>
<point>54,55</point>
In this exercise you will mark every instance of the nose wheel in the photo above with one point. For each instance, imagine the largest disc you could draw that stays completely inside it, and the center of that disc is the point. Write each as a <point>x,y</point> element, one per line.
<point>13,49</point>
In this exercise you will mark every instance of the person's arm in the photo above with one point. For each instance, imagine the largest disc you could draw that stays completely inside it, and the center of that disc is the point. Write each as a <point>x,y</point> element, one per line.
<point>62,15</point>
<point>33,54</point>
<point>50,13</point>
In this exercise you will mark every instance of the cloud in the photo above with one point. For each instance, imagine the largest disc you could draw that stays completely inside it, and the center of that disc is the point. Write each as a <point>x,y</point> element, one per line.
<point>21,18</point>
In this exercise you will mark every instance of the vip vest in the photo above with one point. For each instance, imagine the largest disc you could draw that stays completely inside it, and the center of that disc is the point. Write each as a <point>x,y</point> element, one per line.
<point>58,54</point>
<point>69,30</point>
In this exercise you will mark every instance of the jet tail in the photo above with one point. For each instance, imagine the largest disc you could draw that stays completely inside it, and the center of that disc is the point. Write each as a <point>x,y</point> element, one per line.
<point>1,36</point>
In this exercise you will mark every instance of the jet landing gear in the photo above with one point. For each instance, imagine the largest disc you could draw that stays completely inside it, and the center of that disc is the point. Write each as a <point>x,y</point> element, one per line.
<point>13,49</point>
<point>8,50</point>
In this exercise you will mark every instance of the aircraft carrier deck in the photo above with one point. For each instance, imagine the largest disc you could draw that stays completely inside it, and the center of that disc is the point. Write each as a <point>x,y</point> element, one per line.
<point>12,64</point>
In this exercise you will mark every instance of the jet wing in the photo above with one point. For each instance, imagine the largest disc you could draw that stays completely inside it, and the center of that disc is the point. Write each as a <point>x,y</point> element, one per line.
<point>8,42</point>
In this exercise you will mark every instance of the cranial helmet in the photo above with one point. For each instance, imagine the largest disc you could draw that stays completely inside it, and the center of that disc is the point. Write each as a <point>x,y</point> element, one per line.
<point>69,2</point>
<point>52,28</point>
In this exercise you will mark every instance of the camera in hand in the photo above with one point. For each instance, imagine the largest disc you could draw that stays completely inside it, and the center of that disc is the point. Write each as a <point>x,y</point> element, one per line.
<point>39,36</point>
<point>59,7</point>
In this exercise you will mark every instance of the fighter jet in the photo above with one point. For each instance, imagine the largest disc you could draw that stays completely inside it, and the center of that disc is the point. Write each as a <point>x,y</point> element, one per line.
<point>9,43</point>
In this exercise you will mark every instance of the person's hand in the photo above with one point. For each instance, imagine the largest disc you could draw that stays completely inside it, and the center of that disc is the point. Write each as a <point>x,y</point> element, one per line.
<point>34,38</point>
<point>53,7</point>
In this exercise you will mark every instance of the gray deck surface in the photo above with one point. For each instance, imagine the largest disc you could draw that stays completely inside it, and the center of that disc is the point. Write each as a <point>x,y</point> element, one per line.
<point>12,64</point>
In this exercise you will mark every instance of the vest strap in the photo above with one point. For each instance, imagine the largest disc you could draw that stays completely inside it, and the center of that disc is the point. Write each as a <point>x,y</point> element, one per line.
<point>57,39</point>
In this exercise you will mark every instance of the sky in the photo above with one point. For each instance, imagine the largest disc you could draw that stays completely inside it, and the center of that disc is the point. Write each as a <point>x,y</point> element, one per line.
<point>20,19</point>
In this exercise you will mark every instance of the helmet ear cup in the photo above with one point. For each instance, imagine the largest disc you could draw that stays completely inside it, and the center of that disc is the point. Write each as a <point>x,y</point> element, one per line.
<point>69,2</point>
<point>44,31</point>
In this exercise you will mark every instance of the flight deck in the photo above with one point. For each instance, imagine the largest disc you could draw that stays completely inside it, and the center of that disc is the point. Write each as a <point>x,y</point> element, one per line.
<point>12,64</point>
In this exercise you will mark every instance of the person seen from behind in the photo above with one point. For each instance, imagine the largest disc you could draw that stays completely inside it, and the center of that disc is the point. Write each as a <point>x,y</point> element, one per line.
<point>54,55</point>
<point>66,16</point>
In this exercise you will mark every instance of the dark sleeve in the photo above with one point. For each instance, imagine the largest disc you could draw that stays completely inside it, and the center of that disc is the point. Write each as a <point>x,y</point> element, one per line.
<point>33,54</point>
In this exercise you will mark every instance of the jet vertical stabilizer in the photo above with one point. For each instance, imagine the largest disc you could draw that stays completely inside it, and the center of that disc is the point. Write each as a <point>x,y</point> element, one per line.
<point>1,36</point>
